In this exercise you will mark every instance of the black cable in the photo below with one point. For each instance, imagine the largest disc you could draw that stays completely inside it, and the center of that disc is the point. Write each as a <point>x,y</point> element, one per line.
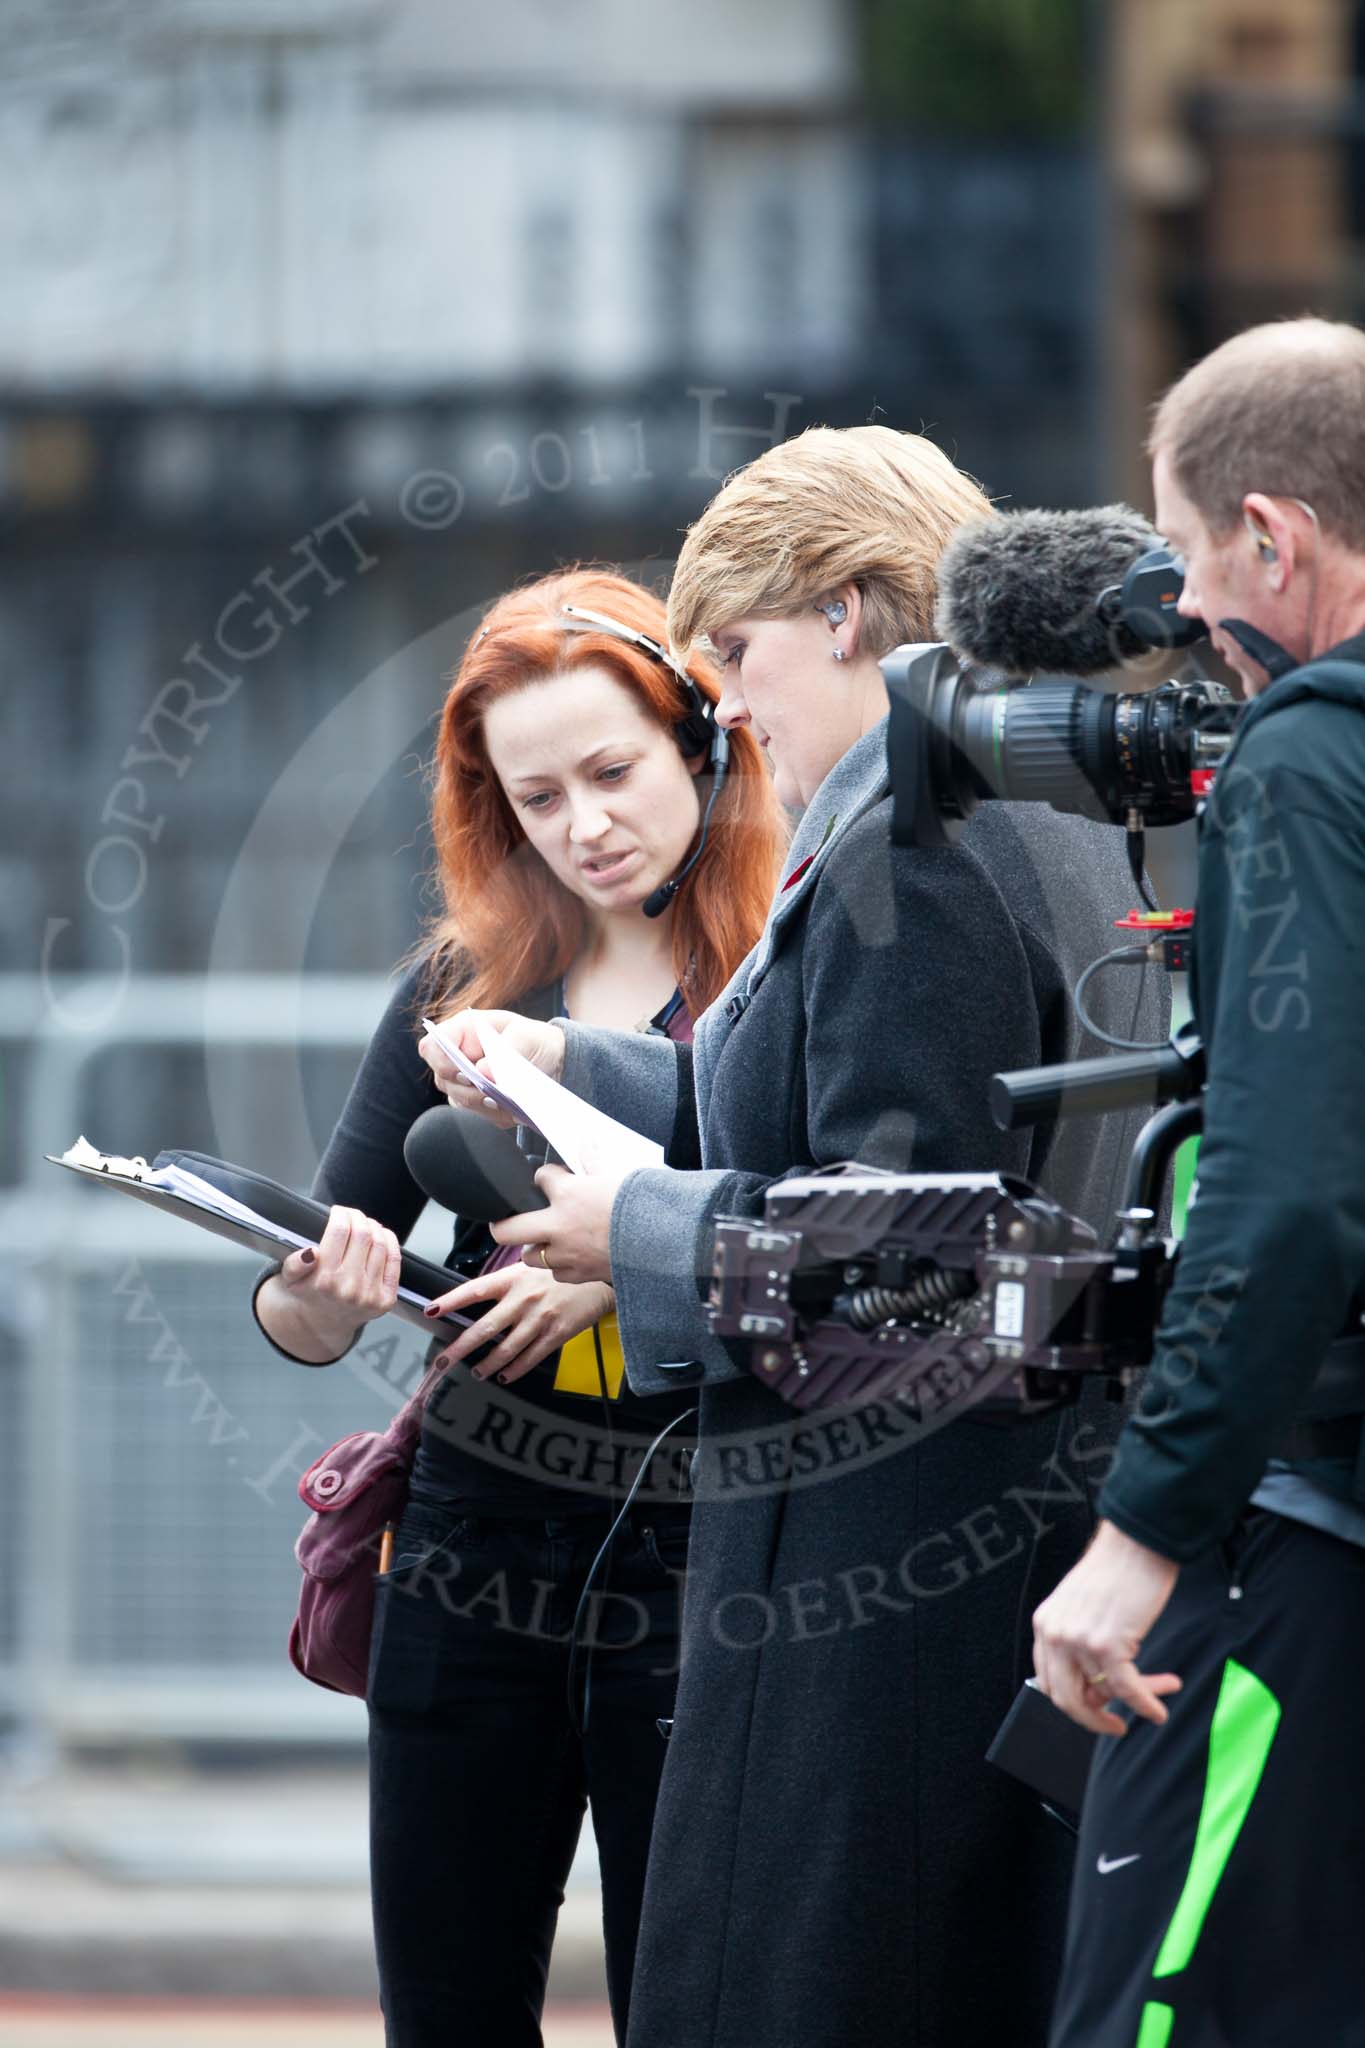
<point>1136,845</point>
<point>1054,1812</point>
<point>658,901</point>
<point>605,1398</point>
<point>1020,1674</point>
<point>574,1721</point>
<point>1030,1565</point>
<point>1121,1156</point>
<point>1121,1152</point>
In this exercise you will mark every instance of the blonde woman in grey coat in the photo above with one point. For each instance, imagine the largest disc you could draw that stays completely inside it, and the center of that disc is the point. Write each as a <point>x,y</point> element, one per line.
<point>833,1862</point>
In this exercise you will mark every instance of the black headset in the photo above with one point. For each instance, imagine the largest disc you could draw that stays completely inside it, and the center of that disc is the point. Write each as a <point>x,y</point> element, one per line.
<point>698,731</point>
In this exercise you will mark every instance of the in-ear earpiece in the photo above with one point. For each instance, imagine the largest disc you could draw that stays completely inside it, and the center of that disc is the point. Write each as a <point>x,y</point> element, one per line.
<point>1269,553</point>
<point>836,611</point>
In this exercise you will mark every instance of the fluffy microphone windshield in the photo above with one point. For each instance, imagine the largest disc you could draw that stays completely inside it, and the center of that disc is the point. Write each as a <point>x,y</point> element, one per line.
<point>1018,593</point>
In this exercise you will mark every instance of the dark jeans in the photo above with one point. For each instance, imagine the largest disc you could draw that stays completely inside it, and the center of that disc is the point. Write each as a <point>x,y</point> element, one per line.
<point>478,1778</point>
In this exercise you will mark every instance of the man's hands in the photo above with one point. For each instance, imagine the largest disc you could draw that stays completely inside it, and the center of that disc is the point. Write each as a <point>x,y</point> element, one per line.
<point>541,1044</point>
<point>569,1239</point>
<point>1088,1633</point>
<point>532,1315</point>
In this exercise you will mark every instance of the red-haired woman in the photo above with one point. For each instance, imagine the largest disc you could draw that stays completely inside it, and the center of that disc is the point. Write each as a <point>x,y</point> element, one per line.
<point>573,774</point>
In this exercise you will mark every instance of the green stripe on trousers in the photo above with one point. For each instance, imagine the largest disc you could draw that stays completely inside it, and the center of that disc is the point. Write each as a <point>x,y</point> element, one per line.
<point>1244,1724</point>
<point>1155,2031</point>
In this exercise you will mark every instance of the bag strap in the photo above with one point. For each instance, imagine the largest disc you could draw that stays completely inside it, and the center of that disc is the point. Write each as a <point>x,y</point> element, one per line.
<point>431,1379</point>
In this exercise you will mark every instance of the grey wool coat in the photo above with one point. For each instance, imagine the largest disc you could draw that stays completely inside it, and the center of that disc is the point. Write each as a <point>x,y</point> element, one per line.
<point>833,1862</point>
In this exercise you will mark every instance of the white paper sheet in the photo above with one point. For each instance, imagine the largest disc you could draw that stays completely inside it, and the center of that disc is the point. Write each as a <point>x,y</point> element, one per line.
<point>472,1074</point>
<point>586,1139</point>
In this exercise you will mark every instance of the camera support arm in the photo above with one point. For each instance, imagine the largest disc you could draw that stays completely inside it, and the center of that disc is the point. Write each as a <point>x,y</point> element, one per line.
<point>936,1292</point>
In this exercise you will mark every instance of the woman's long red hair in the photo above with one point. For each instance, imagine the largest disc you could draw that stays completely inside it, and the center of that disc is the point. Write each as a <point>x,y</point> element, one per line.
<point>509,925</point>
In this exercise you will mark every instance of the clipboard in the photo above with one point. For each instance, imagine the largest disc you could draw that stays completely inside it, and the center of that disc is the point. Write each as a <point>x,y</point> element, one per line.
<point>283,1219</point>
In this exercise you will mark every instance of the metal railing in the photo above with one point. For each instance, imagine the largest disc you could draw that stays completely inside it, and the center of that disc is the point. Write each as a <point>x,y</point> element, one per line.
<point>150,1441</point>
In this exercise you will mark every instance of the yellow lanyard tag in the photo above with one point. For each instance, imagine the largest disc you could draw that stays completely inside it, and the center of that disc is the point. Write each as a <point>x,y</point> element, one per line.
<point>577,1369</point>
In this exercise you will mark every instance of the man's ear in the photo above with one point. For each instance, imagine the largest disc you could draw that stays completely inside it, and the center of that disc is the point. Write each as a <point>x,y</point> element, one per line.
<point>1272,531</point>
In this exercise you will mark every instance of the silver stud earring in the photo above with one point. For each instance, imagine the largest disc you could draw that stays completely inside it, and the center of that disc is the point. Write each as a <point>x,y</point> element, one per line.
<point>839,654</point>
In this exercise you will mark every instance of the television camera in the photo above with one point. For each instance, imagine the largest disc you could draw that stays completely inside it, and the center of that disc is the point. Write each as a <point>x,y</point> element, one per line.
<point>954,1291</point>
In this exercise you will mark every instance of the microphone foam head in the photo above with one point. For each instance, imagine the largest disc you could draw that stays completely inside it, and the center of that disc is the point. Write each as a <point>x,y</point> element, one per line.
<point>1018,592</point>
<point>470,1167</point>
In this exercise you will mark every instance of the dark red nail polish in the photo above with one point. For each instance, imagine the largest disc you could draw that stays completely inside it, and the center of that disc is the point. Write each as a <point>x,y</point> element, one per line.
<point>308,1256</point>
<point>431,1309</point>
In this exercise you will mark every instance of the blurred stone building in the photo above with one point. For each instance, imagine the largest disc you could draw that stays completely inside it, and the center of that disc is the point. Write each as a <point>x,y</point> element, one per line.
<point>322,321</point>
<point>326,319</point>
<point>1238,159</point>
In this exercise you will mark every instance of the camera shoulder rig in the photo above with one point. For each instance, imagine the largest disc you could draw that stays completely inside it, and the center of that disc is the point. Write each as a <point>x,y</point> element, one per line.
<point>939,1291</point>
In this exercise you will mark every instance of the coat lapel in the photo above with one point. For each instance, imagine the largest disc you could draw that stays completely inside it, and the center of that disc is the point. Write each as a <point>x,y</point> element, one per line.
<point>857,782</point>
<point>852,787</point>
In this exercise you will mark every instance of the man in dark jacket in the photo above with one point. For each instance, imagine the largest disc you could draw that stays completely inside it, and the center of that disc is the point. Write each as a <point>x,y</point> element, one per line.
<point>1220,1888</point>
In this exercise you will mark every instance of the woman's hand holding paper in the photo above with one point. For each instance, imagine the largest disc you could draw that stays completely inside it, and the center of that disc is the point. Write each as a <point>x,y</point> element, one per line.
<point>541,1044</point>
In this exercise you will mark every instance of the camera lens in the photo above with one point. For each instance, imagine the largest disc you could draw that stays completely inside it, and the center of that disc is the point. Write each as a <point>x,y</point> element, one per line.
<point>1094,753</point>
<point>1044,744</point>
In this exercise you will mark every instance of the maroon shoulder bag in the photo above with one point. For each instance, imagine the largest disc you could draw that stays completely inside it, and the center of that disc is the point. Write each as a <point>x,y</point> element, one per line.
<point>353,1490</point>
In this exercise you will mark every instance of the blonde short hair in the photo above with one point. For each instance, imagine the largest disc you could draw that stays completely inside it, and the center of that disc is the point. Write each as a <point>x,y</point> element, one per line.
<point>862,505</point>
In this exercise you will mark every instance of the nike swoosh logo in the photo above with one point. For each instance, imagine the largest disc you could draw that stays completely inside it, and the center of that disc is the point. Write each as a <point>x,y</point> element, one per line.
<point>1108,1863</point>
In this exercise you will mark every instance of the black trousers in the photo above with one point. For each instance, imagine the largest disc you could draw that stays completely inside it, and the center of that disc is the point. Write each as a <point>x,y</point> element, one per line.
<point>1219,1897</point>
<point>478,1776</point>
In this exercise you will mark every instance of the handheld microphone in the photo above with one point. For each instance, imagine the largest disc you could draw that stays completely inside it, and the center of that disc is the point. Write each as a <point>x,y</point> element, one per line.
<point>1046,591</point>
<point>471,1167</point>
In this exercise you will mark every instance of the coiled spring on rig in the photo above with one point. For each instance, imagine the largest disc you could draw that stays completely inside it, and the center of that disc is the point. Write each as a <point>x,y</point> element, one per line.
<point>931,1293</point>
